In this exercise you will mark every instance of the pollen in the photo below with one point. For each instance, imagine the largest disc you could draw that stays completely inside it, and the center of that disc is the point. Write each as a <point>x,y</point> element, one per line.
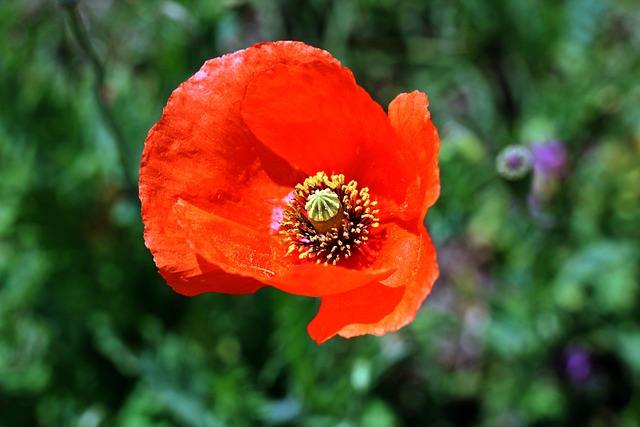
<point>328,220</point>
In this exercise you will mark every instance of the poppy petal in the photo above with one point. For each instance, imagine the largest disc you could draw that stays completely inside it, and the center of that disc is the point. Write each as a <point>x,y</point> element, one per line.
<point>233,247</point>
<point>317,117</point>
<point>202,151</point>
<point>242,251</point>
<point>364,305</point>
<point>418,270</point>
<point>410,117</point>
<point>210,278</point>
<point>416,257</point>
<point>318,280</point>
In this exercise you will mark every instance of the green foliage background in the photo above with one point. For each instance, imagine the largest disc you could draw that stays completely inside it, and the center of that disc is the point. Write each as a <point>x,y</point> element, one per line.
<point>90,335</point>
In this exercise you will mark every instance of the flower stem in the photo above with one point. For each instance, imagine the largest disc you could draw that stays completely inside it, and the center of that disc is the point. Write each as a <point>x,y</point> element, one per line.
<point>82,36</point>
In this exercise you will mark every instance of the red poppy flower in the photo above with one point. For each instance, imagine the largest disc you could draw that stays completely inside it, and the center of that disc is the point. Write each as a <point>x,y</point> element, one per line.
<point>272,167</point>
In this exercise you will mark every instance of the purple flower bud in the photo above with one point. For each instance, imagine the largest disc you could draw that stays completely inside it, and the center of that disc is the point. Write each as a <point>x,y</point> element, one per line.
<point>514,162</point>
<point>549,159</point>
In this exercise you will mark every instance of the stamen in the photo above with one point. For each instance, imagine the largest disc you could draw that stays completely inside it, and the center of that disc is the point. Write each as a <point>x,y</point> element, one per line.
<point>350,215</point>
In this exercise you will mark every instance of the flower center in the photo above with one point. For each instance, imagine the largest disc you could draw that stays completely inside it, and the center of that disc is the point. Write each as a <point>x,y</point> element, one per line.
<point>324,210</point>
<point>322,205</point>
<point>328,219</point>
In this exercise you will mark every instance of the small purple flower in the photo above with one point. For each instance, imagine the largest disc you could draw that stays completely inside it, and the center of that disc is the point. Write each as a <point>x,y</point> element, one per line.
<point>549,159</point>
<point>578,364</point>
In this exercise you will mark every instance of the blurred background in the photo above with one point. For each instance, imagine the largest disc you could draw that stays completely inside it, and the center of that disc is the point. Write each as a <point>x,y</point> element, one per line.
<point>534,321</point>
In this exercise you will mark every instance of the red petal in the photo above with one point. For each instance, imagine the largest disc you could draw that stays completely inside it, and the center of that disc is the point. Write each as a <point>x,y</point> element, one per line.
<point>384,310</point>
<point>201,151</point>
<point>367,304</point>
<point>211,278</point>
<point>240,250</point>
<point>416,258</point>
<point>317,117</point>
<point>318,280</point>
<point>411,119</point>
<point>233,247</point>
